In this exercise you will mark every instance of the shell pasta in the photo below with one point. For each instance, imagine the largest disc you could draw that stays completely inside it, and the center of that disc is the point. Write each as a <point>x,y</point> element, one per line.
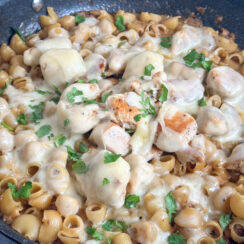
<point>122,128</point>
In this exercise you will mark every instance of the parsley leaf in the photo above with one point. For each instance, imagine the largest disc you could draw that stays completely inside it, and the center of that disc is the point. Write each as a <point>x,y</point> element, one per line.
<point>114,225</point>
<point>89,101</point>
<point>93,233</point>
<point>60,140</point>
<point>131,201</point>
<point>66,122</point>
<point>109,241</point>
<point>170,205</point>
<point>23,192</point>
<point>6,126</point>
<point>147,109</point>
<point>93,81</point>
<point>80,167</point>
<point>202,102</point>
<point>81,81</point>
<point>37,114</point>
<point>72,94</point>
<point>21,119</point>
<point>3,89</point>
<point>43,92</point>
<point>148,69</point>
<point>18,32</point>
<point>83,148</point>
<point>73,155</point>
<point>108,225</point>
<point>105,181</point>
<point>105,96</point>
<point>55,99</point>
<point>166,41</point>
<point>194,60</point>
<point>220,241</point>
<point>164,95</point>
<point>79,19</point>
<point>225,220</point>
<point>120,23</point>
<point>121,43</point>
<point>176,239</point>
<point>110,157</point>
<point>43,130</point>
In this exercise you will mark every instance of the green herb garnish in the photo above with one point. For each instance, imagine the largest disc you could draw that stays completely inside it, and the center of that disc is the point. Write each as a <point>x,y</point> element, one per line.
<point>220,241</point>
<point>6,126</point>
<point>164,95</point>
<point>83,148</point>
<point>93,81</point>
<point>148,69</point>
<point>166,41</point>
<point>3,89</point>
<point>131,201</point>
<point>176,239</point>
<point>89,101</point>
<point>44,130</point>
<point>18,32</point>
<point>43,92</point>
<point>37,115</point>
<point>105,181</point>
<point>72,94</point>
<point>81,81</point>
<point>23,192</point>
<point>114,225</point>
<point>73,155</point>
<point>202,102</point>
<point>121,43</point>
<point>110,157</point>
<point>80,167</point>
<point>60,140</point>
<point>93,233</point>
<point>79,19</point>
<point>120,23</point>
<point>66,122</point>
<point>225,220</point>
<point>170,205</point>
<point>21,119</point>
<point>105,96</point>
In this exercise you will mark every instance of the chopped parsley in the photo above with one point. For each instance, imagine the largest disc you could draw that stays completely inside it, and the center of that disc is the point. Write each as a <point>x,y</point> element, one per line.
<point>120,23</point>
<point>50,136</point>
<point>80,167</point>
<point>93,233</point>
<point>83,148</point>
<point>105,181</point>
<point>103,74</point>
<point>202,102</point>
<point>176,239</point>
<point>79,18</point>
<point>164,95</point>
<point>81,81</point>
<point>220,241</point>
<point>147,109</point>
<point>60,140</point>
<point>121,43</point>
<point>6,126</point>
<point>66,122</point>
<point>148,69</point>
<point>72,94</point>
<point>93,81</point>
<point>18,32</point>
<point>37,115</point>
<point>55,99</point>
<point>142,77</point>
<point>110,157</point>
<point>114,225</point>
<point>130,131</point>
<point>225,220</point>
<point>194,59</point>
<point>44,130</point>
<point>89,101</point>
<point>131,201</point>
<point>73,155</point>
<point>166,41</point>
<point>3,89</point>
<point>43,92</point>
<point>21,119</point>
<point>170,205</point>
<point>121,79</point>
<point>23,192</point>
<point>105,96</point>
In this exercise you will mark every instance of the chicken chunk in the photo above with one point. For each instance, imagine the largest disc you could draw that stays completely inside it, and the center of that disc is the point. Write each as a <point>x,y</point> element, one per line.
<point>91,183</point>
<point>141,174</point>
<point>175,129</point>
<point>219,122</point>
<point>124,107</point>
<point>137,64</point>
<point>225,81</point>
<point>7,141</point>
<point>112,137</point>
<point>236,159</point>
<point>59,66</point>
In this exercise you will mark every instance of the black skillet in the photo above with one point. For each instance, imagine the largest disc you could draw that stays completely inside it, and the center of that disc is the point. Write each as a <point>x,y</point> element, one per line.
<point>19,13</point>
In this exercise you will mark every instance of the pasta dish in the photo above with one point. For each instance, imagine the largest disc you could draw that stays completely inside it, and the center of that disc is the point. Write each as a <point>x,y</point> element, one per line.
<point>120,129</point>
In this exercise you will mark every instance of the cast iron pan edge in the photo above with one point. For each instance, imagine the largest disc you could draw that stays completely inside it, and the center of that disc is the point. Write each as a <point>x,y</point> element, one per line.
<point>18,13</point>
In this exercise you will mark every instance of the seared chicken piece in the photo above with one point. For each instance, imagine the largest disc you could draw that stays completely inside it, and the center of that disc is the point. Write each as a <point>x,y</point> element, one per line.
<point>59,66</point>
<point>141,174</point>
<point>91,183</point>
<point>175,129</point>
<point>225,81</point>
<point>125,107</point>
<point>112,137</point>
<point>236,159</point>
<point>218,122</point>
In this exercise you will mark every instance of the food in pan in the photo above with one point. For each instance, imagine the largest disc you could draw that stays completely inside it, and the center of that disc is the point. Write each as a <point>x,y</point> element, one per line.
<point>124,128</point>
